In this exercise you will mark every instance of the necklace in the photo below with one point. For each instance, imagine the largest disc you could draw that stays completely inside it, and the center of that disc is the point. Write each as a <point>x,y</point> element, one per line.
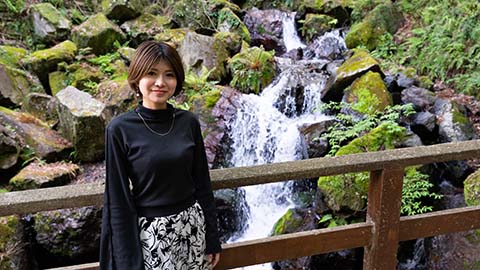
<point>153,131</point>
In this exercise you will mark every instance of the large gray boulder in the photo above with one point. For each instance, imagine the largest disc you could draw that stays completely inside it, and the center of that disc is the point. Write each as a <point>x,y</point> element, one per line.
<point>117,96</point>
<point>453,124</point>
<point>42,106</point>
<point>123,10</point>
<point>82,122</point>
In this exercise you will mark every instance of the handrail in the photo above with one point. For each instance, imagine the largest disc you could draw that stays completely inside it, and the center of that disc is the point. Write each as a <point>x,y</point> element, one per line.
<point>379,234</point>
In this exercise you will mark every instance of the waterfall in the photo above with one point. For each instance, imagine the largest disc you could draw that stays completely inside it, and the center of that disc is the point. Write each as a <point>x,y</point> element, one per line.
<point>290,36</point>
<point>265,129</point>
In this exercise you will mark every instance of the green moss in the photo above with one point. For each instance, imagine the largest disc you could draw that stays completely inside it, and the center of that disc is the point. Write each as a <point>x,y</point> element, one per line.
<point>10,56</point>
<point>287,223</point>
<point>368,94</point>
<point>58,81</point>
<point>471,188</point>
<point>316,25</point>
<point>252,69</point>
<point>459,117</point>
<point>382,19</point>
<point>360,60</point>
<point>47,59</point>
<point>172,36</point>
<point>425,82</point>
<point>51,14</point>
<point>228,21</point>
<point>211,97</point>
<point>84,75</point>
<point>231,41</point>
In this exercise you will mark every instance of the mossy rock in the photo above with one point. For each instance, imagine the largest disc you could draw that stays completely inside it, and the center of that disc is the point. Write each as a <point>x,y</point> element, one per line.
<point>39,175</point>
<point>198,15</point>
<point>57,80</point>
<point>11,145</point>
<point>359,63</point>
<point>382,19</point>
<point>172,36</point>
<point>16,84</point>
<point>286,222</point>
<point>123,10</point>
<point>99,34</point>
<point>228,21</point>
<point>49,24</point>
<point>12,249</point>
<point>369,94</point>
<point>44,61</point>
<point>145,26</point>
<point>11,56</point>
<point>117,96</point>
<point>87,74</point>
<point>316,25</point>
<point>471,187</point>
<point>349,191</point>
<point>230,41</point>
<point>252,69</point>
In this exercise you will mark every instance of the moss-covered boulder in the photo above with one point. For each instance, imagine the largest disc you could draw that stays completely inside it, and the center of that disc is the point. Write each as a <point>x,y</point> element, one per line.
<point>99,34</point>
<point>39,140</point>
<point>123,10</point>
<point>82,122</point>
<point>359,63</point>
<point>228,21</point>
<point>13,249</point>
<point>57,81</point>
<point>43,62</point>
<point>368,94</point>
<point>42,106</point>
<point>316,25</point>
<point>252,69</point>
<point>117,96</point>
<point>11,56</point>
<point>48,23</point>
<point>471,187</point>
<point>172,36</point>
<point>230,41</point>
<point>144,27</point>
<point>86,75</point>
<point>16,84</point>
<point>198,51</point>
<point>200,15</point>
<point>349,191</point>
<point>384,18</point>
<point>42,175</point>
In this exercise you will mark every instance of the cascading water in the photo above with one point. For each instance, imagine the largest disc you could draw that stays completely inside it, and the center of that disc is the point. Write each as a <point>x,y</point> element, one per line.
<point>265,129</point>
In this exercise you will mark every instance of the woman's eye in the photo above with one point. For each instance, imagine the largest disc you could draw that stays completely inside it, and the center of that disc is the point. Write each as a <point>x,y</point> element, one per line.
<point>151,73</point>
<point>170,74</point>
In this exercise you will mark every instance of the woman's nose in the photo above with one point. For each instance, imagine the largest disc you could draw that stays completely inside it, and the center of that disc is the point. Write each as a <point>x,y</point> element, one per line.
<point>159,81</point>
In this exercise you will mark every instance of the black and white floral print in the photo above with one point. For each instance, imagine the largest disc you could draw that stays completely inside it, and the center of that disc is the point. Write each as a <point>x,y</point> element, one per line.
<point>175,242</point>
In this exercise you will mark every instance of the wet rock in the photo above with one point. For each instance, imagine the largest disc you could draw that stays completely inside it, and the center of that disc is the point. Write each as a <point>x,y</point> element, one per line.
<point>424,124</point>
<point>82,122</point>
<point>317,146</point>
<point>232,211</point>
<point>40,175</point>
<point>315,25</point>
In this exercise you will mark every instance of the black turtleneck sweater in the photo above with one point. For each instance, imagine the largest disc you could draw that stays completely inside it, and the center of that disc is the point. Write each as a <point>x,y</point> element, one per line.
<point>166,175</point>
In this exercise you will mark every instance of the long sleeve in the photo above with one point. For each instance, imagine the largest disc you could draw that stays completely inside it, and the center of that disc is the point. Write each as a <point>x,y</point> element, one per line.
<point>203,192</point>
<point>120,243</point>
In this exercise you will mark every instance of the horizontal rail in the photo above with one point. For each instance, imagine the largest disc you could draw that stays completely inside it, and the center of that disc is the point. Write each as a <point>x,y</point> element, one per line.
<point>30,201</point>
<point>296,245</point>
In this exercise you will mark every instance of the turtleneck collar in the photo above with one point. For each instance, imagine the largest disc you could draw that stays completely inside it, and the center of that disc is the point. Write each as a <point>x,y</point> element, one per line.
<point>161,114</point>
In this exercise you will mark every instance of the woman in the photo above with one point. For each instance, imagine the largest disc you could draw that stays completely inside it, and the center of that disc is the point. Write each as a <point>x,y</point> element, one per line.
<point>159,211</point>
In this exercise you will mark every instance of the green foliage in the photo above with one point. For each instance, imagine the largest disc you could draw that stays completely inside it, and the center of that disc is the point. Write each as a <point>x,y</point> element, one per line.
<point>252,69</point>
<point>362,7</point>
<point>332,221</point>
<point>198,83</point>
<point>106,62</point>
<point>444,43</point>
<point>416,188</point>
<point>348,127</point>
<point>14,6</point>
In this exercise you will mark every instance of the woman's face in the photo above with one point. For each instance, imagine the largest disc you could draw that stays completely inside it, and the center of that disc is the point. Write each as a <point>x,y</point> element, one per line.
<point>158,85</point>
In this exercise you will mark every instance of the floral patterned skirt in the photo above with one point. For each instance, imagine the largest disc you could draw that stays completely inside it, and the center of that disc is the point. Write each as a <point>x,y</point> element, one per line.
<point>174,242</point>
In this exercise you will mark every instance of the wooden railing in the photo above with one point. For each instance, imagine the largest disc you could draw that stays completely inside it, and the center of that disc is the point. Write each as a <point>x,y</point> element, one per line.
<point>379,234</point>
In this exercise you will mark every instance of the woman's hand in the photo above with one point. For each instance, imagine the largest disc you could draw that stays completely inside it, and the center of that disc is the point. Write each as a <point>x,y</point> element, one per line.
<point>213,259</point>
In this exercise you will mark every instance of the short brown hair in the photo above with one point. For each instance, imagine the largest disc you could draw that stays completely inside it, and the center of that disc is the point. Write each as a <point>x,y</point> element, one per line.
<point>148,54</point>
